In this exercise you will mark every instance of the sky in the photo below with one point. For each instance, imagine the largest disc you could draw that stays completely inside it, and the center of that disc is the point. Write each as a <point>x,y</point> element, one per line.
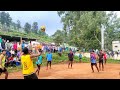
<point>48,18</point>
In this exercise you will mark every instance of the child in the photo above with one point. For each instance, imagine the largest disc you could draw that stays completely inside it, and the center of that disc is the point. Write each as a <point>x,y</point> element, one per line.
<point>80,57</point>
<point>39,62</point>
<point>93,61</point>
<point>49,59</point>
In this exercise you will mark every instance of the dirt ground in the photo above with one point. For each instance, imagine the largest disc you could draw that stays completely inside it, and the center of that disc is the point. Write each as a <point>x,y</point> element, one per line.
<point>79,71</point>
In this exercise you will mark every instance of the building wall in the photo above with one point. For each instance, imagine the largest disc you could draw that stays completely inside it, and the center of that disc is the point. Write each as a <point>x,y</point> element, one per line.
<point>116,45</point>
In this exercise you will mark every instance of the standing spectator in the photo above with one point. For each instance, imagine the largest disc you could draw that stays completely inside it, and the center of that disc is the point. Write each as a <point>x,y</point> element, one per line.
<point>112,53</point>
<point>18,46</point>
<point>30,45</point>
<point>3,44</point>
<point>23,45</point>
<point>0,43</point>
<point>80,57</point>
<point>7,45</point>
<point>15,48</point>
<point>117,53</point>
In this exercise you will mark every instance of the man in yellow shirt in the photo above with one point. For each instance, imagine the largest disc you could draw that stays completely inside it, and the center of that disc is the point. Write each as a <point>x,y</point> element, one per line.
<point>2,63</point>
<point>27,64</point>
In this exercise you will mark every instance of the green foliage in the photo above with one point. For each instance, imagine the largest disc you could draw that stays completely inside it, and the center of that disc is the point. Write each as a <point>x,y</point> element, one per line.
<point>58,37</point>
<point>18,24</point>
<point>83,28</point>
<point>27,27</point>
<point>35,27</point>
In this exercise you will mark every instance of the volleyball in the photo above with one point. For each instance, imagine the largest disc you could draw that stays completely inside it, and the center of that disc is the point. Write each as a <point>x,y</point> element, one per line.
<point>43,28</point>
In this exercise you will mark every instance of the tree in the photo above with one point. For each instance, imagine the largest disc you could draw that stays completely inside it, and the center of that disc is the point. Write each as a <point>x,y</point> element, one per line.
<point>58,37</point>
<point>2,18</point>
<point>35,27</point>
<point>14,25</point>
<point>5,19</point>
<point>83,28</point>
<point>27,27</point>
<point>8,20</point>
<point>18,24</point>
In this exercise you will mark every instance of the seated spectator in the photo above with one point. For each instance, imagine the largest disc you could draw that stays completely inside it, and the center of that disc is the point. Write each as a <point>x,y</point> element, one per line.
<point>18,54</point>
<point>12,51</point>
<point>8,54</point>
<point>11,61</point>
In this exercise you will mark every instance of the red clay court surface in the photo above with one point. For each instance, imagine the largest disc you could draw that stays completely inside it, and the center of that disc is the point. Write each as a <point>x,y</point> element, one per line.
<point>79,71</point>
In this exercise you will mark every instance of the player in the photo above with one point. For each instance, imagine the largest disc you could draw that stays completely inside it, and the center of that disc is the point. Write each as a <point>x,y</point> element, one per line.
<point>2,63</point>
<point>39,62</point>
<point>70,57</point>
<point>93,61</point>
<point>49,59</point>
<point>101,56</point>
<point>27,64</point>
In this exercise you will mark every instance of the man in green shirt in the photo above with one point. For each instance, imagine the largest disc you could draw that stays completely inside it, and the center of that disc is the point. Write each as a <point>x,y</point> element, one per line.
<point>0,39</point>
<point>0,44</point>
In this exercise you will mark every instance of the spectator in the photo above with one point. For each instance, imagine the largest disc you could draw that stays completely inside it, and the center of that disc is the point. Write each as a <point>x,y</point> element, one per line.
<point>3,44</point>
<point>80,57</point>
<point>7,45</point>
<point>12,51</point>
<point>15,47</point>
<point>0,43</point>
<point>23,45</point>
<point>18,55</point>
<point>19,46</point>
<point>8,54</point>
<point>11,61</point>
<point>30,46</point>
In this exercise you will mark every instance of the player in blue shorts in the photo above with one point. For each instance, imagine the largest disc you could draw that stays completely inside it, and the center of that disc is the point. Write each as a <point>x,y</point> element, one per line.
<point>38,63</point>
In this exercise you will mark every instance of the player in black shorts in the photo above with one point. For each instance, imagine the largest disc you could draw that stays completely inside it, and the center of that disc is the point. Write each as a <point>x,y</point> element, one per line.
<point>2,63</point>
<point>70,57</point>
<point>101,60</point>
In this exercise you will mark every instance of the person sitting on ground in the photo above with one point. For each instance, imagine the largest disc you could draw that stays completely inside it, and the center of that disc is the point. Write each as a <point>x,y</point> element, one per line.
<point>11,61</point>
<point>16,61</point>
<point>18,55</point>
